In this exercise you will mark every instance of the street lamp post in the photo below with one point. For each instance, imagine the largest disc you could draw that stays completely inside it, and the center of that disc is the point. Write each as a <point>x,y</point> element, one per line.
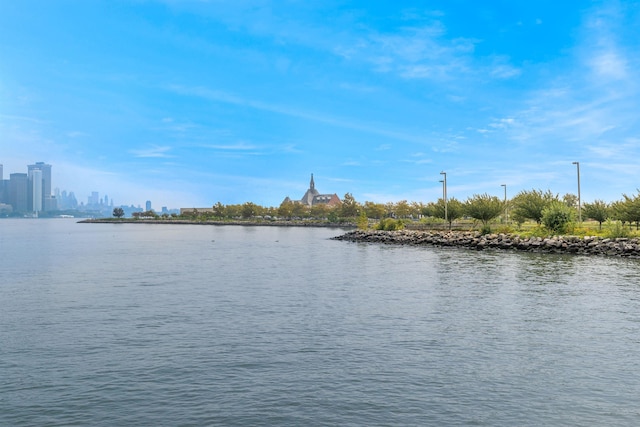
<point>506,211</point>
<point>579,200</point>
<point>444,195</point>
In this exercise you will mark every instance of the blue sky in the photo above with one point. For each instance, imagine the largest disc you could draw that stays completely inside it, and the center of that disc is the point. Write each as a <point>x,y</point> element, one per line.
<point>187,103</point>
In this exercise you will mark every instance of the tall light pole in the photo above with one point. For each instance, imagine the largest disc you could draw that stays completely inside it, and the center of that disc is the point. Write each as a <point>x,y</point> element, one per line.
<point>579,202</point>
<point>506,211</point>
<point>444,195</point>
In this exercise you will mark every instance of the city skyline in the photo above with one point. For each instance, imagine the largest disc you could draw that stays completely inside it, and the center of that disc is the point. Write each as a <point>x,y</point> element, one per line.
<point>191,103</point>
<point>34,192</point>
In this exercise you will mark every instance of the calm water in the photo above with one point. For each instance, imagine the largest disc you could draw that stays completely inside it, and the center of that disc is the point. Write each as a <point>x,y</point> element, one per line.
<point>116,324</point>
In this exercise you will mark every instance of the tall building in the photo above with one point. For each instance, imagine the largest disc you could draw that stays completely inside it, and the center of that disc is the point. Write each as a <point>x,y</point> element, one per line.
<point>35,190</point>
<point>18,191</point>
<point>44,186</point>
<point>94,199</point>
<point>147,206</point>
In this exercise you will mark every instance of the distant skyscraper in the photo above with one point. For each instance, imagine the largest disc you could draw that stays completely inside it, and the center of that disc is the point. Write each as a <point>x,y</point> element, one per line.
<point>44,186</point>
<point>148,205</point>
<point>18,184</point>
<point>35,190</point>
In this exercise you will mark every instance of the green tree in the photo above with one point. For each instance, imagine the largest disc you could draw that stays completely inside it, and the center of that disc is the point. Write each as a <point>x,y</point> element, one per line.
<point>598,211</point>
<point>557,216</point>
<point>118,212</point>
<point>570,200</point>
<point>631,207</point>
<point>402,209</point>
<point>319,211</point>
<point>455,210</point>
<point>350,208</point>
<point>233,211</point>
<point>374,210</point>
<point>286,209</point>
<point>249,210</point>
<point>530,204</point>
<point>300,210</point>
<point>619,211</point>
<point>332,217</point>
<point>219,210</point>
<point>483,208</point>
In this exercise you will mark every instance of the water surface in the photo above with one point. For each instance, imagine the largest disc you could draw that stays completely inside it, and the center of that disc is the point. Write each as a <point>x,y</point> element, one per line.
<point>131,324</point>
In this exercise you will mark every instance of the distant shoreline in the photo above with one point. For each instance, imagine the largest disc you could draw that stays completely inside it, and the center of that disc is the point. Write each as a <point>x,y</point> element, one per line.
<point>241,223</point>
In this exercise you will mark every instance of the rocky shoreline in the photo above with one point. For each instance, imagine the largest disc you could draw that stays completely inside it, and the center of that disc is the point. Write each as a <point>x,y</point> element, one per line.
<point>589,245</point>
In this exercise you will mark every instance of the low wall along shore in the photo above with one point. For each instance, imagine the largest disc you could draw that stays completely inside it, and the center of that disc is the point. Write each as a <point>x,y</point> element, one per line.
<point>589,245</point>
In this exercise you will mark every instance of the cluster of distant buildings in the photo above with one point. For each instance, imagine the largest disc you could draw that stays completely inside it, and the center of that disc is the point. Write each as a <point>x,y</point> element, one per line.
<point>31,194</point>
<point>28,192</point>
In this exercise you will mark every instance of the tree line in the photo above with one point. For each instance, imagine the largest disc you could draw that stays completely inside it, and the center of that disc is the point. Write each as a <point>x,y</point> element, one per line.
<point>541,207</point>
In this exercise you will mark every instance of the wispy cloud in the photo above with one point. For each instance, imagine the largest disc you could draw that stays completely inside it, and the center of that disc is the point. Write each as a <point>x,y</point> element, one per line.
<point>152,152</point>
<point>221,96</point>
<point>241,146</point>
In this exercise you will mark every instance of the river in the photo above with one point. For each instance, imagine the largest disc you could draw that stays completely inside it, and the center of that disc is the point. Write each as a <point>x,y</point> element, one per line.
<point>193,325</point>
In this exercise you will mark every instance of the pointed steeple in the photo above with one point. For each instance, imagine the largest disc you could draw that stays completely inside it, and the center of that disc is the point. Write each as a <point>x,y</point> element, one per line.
<point>312,185</point>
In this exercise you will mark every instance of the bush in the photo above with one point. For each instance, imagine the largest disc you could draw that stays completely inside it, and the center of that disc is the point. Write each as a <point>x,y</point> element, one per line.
<point>390,224</point>
<point>363,221</point>
<point>557,216</point>
<point>615,229</point>
<point>486,229</point>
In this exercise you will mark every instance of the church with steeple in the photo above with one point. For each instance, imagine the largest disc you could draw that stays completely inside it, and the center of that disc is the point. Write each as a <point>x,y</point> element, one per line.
<point>313,197</point>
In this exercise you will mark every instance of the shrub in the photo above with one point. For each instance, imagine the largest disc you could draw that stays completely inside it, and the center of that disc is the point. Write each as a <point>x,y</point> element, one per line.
<point>486,229</point>
<point>390,224</point>
<point>363,221</point>
<point>557,216</point>
<point>616,229</point>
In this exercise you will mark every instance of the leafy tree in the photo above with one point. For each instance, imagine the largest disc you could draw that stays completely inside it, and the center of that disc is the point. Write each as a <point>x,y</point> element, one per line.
<point>403,210</point>
<point>530,204</point>
<point>430,209</point>
<point>249,210</point>
<point>219,210</point>
<point>319,211</point>
<point>300,210</point>
<point>455,210</point>
<point>483,208</point>
<point>570,200</point>
<point>233,211</point>
<point>631,206</point>
<point>374,210</point>
<point>350,208</point>
<point>416,209</point>
<point>598,210</point>
<point>118,212</point>
<point>556,216</point>
<point>619,212</point>
<point>286,209</point>
<point>333,216</point>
